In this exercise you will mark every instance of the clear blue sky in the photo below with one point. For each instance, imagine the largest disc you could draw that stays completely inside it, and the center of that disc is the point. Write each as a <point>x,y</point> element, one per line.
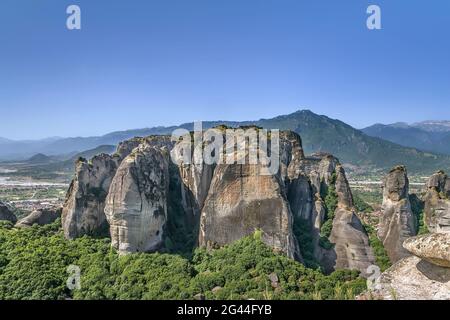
<point>141,63</point>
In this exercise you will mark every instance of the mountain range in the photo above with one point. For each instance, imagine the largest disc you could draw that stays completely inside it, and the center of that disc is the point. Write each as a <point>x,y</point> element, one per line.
<point>433,136</point>
<point>376,147</point>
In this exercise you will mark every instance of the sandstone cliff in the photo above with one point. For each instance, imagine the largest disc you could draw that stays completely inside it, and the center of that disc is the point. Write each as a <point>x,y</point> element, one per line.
<point>83,211</point>
<point>437,203</point>
<point>397,221</point>
<point>243,198</point>
<point>6,214</point>
<point>142,197</point>
<point>136,204</point>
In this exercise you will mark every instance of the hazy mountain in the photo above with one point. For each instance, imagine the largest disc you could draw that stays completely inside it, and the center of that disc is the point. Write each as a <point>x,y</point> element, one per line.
<point>428,136</point>
<point>433,126</point>
<point>319,133</point>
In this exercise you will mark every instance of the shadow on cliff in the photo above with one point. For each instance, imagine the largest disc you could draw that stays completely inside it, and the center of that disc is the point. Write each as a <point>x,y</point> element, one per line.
<point>182,227</point>
<point>433,272</point>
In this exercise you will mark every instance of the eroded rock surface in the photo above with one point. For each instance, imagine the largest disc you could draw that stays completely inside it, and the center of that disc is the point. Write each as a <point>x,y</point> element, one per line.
<point>241,201</point>
<point>6,214</point>
<point>437,203</point>
<point>434,248</point>
<point>414,279</point>
<point>83,211</point>
<point>397,221</point>
<point>136,205</point>
<point>40,217</point>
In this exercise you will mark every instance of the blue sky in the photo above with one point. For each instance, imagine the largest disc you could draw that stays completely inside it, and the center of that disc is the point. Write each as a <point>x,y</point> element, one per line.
<point>142,63</point>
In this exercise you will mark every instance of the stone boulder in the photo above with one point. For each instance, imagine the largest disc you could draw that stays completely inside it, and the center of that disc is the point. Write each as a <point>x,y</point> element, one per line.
<point>413,279</point>
<point>397,221</point>
<point>6,213</point>
<point>434,248</point>
<point>437,203</point>
<point>136,204</point>
<point>40,217</point>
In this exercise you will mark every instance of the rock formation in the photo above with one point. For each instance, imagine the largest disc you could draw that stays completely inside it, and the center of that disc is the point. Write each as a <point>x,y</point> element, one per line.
<point>310,180</point>
<point>241,201</point>
<point>132,192</point>
<point>244,198</point>
<point>397,221</point>
<point>136,204</point>
<point>434,248</point>
<point>425,276</point>
<point>6,214</point>
<point>437,203</point>
<point>83,211</point>
<point>40,217</point>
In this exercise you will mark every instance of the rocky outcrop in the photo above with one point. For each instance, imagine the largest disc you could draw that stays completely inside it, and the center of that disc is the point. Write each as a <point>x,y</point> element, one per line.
<point>6,213</point>
<point>397,221</point>
<point>241,201</point>
<point>425,276</point>
<point>136,205</point>
<point>437,203</point>
<point>414,279</point>
<point>134,191</point>
<point>310,180</point>
<point>434,248</point>
<point>196,179</point>
<point>40,217</point>
<point>351,245</point>
<point>83,211</point>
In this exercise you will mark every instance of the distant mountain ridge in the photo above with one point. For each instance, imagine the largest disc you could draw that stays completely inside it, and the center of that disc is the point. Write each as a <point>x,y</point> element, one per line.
<point>353,147</point>
<point>432,136</point>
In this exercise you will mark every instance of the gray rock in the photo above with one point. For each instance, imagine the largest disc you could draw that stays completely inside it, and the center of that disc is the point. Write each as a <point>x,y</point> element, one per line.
<point>136,205</point>
<point>83,211</point>
<point>40,217</point>
<point>351,244</point>
<point>437,203</point>
<point>240,201</point>
<point>397,221</point>
<point>414,279</point>
<point>6,213</point>
<point>434,248</point>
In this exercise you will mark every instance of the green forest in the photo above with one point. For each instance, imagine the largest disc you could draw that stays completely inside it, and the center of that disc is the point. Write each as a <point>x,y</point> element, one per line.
<point>34,265</point>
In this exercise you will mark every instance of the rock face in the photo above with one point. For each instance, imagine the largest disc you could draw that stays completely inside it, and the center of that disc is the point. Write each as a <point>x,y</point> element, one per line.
<point>6,214</point>
<point>350,242</point>
<point>40,217</point>
<point>425,276</point>
<point>244,198</point>
<point>241,201</point>
<point>136,205</point>
<point>434,248</point>
<point>133,192</point>
<point>83,211</point>
<point>414,279</point>
<point>397,221</point>
<point>437,203</point>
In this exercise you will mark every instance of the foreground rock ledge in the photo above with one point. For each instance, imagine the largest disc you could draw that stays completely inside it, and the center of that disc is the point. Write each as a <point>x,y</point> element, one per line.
<point>414,279</point>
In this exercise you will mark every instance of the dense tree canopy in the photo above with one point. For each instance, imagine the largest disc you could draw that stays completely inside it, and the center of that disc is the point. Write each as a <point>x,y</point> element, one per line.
<point>34,261</point>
